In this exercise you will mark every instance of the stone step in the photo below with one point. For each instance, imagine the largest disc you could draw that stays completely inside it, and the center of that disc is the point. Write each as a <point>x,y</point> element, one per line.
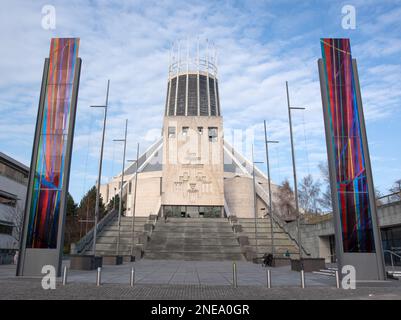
<point>267,242</point>
<point>193,225</point>
<point>185,229</point>
<point>184,220</point>
<point>260,229</point>
<point>122,228</point>
<point>107,238</point>
<point>110,240</point>
<point>194,256</point>
<point>191,247</point>
<point>280,249</point>
<point>112,247</point>
<point>139,218</point>
<point>266,236</point>
<point>192,235</point>
<point>123,233</point>
<point>261,235</point>
<point>129,221</point>
<point>203,248</point>
<point>252,220</point>
<point>252,223</point>
<point>194,241</point>
<point>112,252</point>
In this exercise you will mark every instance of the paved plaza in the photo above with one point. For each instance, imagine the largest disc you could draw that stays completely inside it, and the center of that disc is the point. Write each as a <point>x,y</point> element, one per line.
<point>157,279</point>
<point>204,273</point>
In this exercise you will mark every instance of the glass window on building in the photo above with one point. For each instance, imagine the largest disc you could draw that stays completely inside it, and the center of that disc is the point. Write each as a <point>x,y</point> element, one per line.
<point>171,132</point>
<point>212,134</point>
<point>8,200</point>
<point>185,131</point>
<point>200,130</point>
<point>6,229</point>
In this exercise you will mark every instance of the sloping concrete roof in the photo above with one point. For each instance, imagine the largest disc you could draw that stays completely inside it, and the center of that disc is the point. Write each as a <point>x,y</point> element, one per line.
<point>11,161</point>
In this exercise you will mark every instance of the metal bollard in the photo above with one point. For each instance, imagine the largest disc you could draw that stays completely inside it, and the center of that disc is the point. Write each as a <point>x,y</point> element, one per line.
<point>235,275</point>
<point>337,280</point>
<point>269,278</point>
<point>302,279</point>
<point>99,276</point>
<point>132,278</point>
<point>65,276</point>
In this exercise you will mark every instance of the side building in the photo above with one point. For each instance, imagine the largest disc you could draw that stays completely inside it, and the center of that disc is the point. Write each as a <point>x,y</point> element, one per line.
<point>319,236</point>
<point>13,186</point>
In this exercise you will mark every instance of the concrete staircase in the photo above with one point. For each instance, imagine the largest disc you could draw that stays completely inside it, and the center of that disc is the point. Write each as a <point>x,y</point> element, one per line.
<point>206,239</point>
<point>260,241</point>
<point>106,243</point>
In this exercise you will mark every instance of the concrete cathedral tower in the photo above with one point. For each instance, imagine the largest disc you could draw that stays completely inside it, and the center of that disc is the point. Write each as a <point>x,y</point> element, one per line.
<point>193,182</point>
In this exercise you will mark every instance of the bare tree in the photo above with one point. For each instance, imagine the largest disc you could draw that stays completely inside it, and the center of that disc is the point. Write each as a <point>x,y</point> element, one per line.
<point>396,189</point>
<point>378,195</point>
<point>285,202</point>
<point>16,215</point>
<point>325,200</point>
<point>309,192</point>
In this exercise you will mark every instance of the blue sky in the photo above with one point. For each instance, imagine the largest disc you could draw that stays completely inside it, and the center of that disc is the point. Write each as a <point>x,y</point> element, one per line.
<point>261,44</point>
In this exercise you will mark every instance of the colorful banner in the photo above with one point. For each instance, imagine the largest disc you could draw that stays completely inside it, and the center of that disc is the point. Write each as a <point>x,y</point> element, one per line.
<point>347,146</point>
<point>49,169</point>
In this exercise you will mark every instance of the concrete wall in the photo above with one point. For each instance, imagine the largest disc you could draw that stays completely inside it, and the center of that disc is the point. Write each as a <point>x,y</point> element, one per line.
<point>389,214</point>
<point>238,192</point>
<point>324,248</point>
<point>148,189</point>
<point>239,197</point>
<point>149,196</point>
<point>192,165</point>
<point>107,191</point>
<point>315,236</point>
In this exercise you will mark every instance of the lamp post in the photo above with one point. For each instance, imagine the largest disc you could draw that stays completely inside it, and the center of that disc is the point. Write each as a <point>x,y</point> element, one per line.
<point>269,188</point>
<point>100,168</point>
<point>294,171</point>
<point>114,200</point>
<point>134,202</point>
<point>121,188</point>
<point>255,201</point>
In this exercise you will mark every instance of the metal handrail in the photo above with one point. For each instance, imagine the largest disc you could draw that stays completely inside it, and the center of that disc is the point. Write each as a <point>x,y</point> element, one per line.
<point>391,256</point>
<point>389,199</point>
<point>82,244</point>
<point>278,220</point>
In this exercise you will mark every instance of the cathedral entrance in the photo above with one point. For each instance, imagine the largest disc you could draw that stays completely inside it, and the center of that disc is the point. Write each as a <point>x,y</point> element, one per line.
<point>193,211</point>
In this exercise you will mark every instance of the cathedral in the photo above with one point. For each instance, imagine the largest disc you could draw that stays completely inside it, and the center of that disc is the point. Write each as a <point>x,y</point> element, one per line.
<point>191,170</point>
